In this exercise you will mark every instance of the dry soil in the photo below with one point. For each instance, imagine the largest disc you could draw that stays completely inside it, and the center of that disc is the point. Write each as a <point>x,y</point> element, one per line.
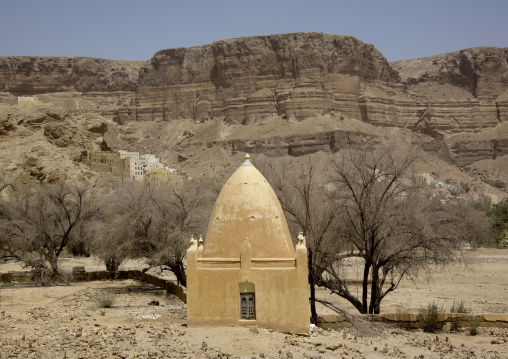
<point>68,321</point>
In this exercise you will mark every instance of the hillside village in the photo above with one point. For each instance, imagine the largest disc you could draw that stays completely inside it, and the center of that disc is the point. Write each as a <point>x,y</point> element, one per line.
<point>132,165</point>
<point>148,167</point>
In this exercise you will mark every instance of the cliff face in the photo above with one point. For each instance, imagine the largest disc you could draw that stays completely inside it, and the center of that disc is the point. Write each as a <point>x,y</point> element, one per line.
<point>473,81</point>
<point>253,79</point>
<point>464,93</point>
<point>26,75</point>
<point>482,71</point>
<point>293,77</point>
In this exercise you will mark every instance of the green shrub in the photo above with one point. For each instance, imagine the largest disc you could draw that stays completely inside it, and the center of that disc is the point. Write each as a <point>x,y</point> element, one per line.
<point>428,317</point>
<point>473,325</point>
<point>460,307</point>
<point>496,183</point>
<point>499,216</point>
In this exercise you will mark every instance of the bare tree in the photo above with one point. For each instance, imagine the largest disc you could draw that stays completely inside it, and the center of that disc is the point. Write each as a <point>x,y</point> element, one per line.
<point>137,220</point>
<point>389,224</point>
<point>369,213</point>
<point>179,211</point>
<point>307,207</point>
<point>121,221</point>
<point>10,245</point>
<point>43,218</point>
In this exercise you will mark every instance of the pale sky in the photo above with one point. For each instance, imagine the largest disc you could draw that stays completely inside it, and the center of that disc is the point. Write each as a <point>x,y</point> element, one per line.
<point>135,29</point>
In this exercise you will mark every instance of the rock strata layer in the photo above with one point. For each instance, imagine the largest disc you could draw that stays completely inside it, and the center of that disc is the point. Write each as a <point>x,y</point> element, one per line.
<point>297,77</point>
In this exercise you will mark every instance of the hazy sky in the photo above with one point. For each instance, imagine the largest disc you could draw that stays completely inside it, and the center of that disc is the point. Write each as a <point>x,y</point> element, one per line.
<point>135,29</point>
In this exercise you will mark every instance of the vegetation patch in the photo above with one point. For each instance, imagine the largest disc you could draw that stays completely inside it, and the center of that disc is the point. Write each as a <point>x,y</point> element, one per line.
<point>429,317</point>
<point>105,299</point>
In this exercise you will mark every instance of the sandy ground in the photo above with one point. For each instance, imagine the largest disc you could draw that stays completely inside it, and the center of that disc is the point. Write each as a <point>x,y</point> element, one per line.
<point>481,282</point>
<point>69,321</point>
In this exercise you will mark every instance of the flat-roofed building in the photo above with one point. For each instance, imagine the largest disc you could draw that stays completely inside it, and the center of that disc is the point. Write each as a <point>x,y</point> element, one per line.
<point>28,100</point>
<point>108,162</point>
<point>165,176</point>
<point>124,154</point>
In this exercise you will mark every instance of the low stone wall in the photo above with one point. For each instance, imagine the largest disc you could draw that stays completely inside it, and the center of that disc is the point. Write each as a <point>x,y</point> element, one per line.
<point>411,320</point>
<point>79,274</point>
<point>16,277</point>
<point>169,286</point>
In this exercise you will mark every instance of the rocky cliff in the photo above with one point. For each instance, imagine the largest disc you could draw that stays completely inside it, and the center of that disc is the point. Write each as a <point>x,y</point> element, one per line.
<point>78,84</point>
<point>456,102</point>
<point>253,79</point>
<point>26,75</point>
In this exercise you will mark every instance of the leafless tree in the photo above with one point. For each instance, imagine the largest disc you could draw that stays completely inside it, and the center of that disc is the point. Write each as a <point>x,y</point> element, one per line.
<point>42,220</point>
<point>369,213</point>
<point>392,226</point>
<point>120,221</point>
<point>155,223</point>
<point>179,211</point>
<point>10,246</point>
<point>308,208</point>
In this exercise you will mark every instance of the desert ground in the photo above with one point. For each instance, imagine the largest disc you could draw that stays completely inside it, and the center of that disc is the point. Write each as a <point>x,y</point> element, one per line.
<point>69,321</point>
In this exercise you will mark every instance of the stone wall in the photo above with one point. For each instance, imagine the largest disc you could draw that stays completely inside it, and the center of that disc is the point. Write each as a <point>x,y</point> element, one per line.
<point>79,275</point>
<point>410,321</point>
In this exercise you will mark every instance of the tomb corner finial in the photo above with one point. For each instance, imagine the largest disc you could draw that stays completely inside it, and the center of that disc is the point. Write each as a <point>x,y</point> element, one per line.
<point>301,240</point>
<point>247,161</point>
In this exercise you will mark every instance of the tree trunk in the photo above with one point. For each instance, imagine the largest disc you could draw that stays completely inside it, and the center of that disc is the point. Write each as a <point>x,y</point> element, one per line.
<point>374,293</point>
<point>365,287</point>
<point>312,284</point>
<point>53,262</point>
<point>377,307</point>
<point>112,264</point>
<point>179,270</point>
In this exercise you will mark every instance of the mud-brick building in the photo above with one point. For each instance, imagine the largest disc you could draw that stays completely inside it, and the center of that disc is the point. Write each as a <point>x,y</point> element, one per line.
<point>108,162</point>
<point>165,176</point>
<point>119,165</point>
<point>247,271</point>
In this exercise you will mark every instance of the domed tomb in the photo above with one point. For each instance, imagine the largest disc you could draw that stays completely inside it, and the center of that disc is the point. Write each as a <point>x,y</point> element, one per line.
<point>247,272</point>
<point>247,207</point>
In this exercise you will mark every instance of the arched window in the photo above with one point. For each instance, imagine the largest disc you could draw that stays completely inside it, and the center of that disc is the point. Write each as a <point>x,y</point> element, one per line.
<point>247,306</point>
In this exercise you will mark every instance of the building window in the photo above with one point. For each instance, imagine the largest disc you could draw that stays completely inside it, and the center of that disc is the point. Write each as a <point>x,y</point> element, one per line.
<point>247,306</point>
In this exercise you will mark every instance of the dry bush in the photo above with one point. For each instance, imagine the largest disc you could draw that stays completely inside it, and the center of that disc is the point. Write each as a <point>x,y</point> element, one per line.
<point>105,299</point>
<point>473,325</point>
<point>136,220</point>
<point>460,307</point>
<point>428,317</point>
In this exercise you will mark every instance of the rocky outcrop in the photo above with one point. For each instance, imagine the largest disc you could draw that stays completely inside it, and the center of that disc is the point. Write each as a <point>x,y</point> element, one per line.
<point>24,75</point>
<point>463,91</point>
<point>481,71</point>
<point>77,84</point>
<point>253,79</point>
<point>45,142</point>
<point>295,145</point>
<point>466,152</point>
<point>296,77</point>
